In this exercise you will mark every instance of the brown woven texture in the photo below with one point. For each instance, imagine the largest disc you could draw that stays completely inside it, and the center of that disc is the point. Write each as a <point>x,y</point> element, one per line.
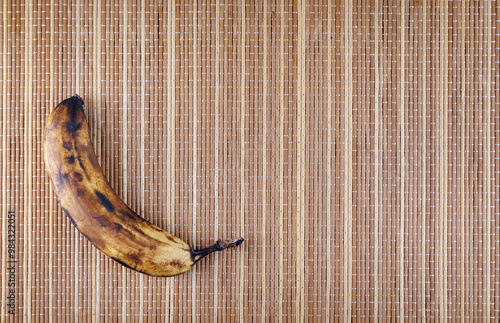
<point>354,145</point>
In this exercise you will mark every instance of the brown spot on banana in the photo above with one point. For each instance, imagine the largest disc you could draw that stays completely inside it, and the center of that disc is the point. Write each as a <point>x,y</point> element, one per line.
<point>176,263</point>
<point>128,214</point>
<point>80,162</point>
<point>96,210</point>
<point>63,177</point>
<point>67,145</point>
<point>103,200</point>
<point>72,126</point>
<point>79,176</point>
<point>74,123</point>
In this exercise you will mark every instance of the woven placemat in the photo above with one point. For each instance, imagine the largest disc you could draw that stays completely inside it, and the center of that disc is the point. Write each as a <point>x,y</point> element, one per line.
<point>353,145</point>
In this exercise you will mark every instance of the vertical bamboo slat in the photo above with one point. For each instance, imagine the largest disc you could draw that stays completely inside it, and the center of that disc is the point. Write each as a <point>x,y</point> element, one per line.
<point>403,165</point>
<point>93,123</point>
<point>423,208</point>
<point>329,158</point>
<point>377,171</point>
<point>52,206</point>
<point>77,87</point>
<point>217,164</point>
<point>124,142</point>
<point>243,117</point>
<point>488,157</point>
<point>27,213</point>
<point>142,145</point>
<point>4,104</point>
<point>495,268</point>
<point>496,233</point>
<point>443,162</point>
<point>462,160</point>
<point>348,160</point>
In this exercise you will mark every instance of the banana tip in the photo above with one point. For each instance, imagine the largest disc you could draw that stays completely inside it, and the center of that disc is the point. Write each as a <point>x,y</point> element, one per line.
<point>75,101</point>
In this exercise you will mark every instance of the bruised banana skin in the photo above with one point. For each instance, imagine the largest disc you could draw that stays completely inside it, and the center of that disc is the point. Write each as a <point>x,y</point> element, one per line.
<point>96,210</point>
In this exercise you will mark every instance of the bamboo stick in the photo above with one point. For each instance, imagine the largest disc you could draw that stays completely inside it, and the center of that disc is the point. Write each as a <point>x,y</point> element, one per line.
<point>124,142</point>
<point>150,306</point>
<point>378,168</point>
<point>488,248</point>
<point>443,273</point>
<point>77,84</point>
<point>468,195</point>
<point>424,154</point>
<point>93,121</point>
<point>329,161</point>
<point>7,68</point>
<point>52,203</point>
<point>348,159</point>
<point>28,164</point>
<point>402,202</point>
<point>264,104</point>
<point>301,111</point>
<point>172,140</point>
<point>243,108</point>
<point>217,193</point>
<point>202,156</point>
<point>463,108</point>
<point>495,279</point>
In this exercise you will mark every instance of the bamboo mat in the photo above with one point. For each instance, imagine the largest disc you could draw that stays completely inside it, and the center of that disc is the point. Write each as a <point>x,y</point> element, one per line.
<point>353,144</point>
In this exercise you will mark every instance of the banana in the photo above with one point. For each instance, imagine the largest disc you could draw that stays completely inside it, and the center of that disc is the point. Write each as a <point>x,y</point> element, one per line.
<point>96,210</point>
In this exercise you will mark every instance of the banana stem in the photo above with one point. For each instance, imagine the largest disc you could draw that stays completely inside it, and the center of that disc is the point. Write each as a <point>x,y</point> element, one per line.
<point>197,255</point>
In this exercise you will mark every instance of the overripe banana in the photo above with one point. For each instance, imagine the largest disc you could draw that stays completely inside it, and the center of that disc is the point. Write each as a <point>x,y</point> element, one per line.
<point>96,210</point>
